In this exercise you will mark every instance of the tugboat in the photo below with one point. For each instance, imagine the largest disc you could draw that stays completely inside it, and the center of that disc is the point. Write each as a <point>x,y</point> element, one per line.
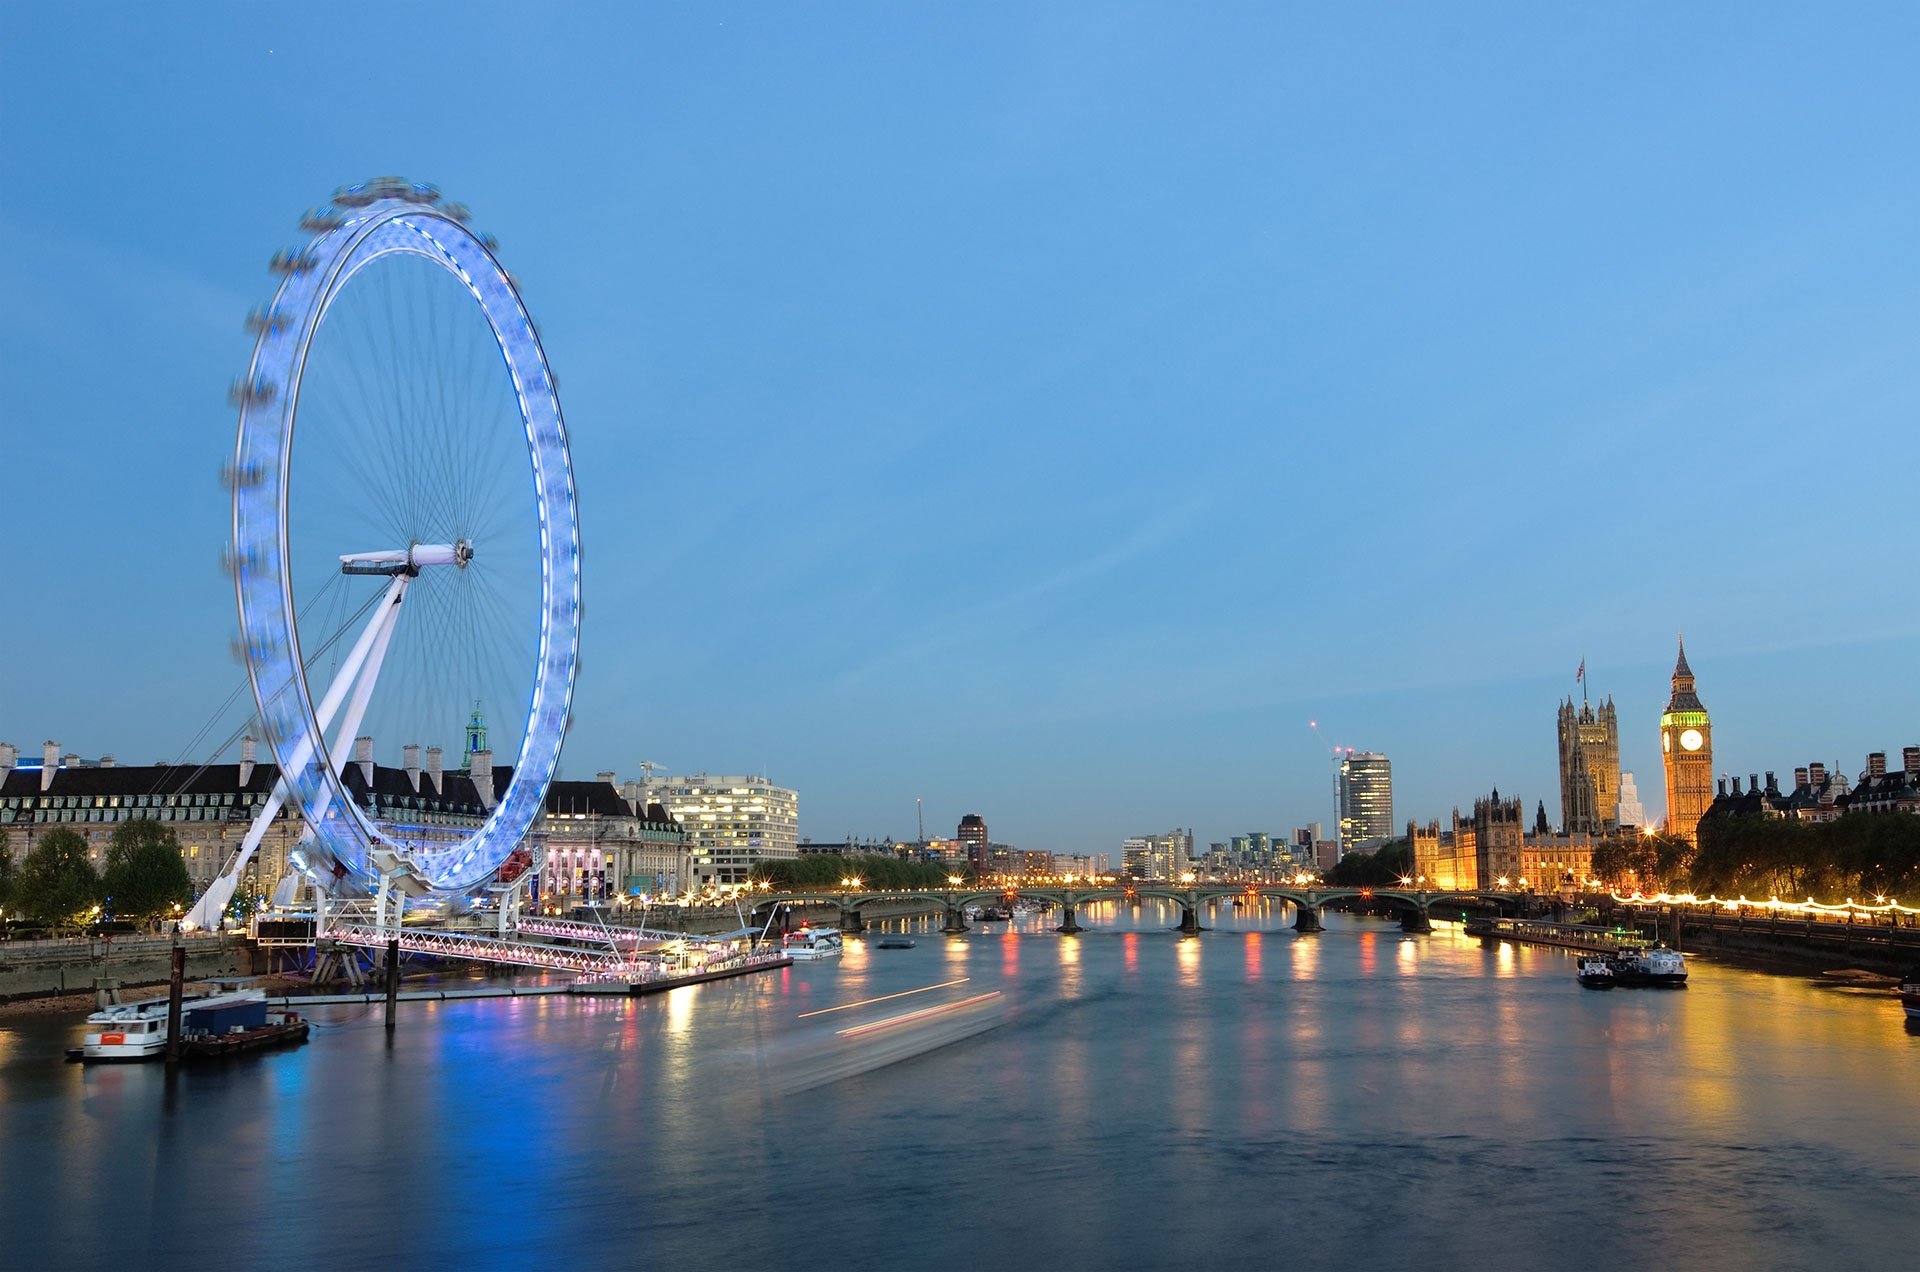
<point>1910,993</point>
<point>1658,966</point>
<point>1596,972</point>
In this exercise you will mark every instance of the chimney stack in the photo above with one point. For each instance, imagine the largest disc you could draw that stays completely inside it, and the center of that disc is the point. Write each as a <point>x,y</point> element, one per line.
<point>106,761</point>
<point>363,756</point>
<point>410,760</point>
<point>9,760</point>
<point>249,756</point>
<point>480,769</point>
<point>1910,761</point>
<point>1772,787</point>
<point>1720,787</point>
<point>606,777</point>
<point>1816,773</point>
<point>1876,764</point>
<point>49,764</point>
<point>1800,777</point>
<point>1753,783</point>
<point>433,768</point>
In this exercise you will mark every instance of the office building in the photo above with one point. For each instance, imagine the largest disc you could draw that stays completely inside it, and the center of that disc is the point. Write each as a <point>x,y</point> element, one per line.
<point>1366,801</point>
<point>733,821</point>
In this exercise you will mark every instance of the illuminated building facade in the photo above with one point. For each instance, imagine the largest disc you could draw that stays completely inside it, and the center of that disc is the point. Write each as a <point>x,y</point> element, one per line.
<point>1589,767</point>
<point>733,821</point>
<point>1366,801</point>
<point>1686,749</point>
<point>1489,850</point>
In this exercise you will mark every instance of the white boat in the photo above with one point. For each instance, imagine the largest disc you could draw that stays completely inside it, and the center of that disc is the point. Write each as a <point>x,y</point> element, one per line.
<point>1656,966</point>
<point>1596,972</point>
<point>138,1031</point>
<point>1910,994</point>
<point>810,943</point>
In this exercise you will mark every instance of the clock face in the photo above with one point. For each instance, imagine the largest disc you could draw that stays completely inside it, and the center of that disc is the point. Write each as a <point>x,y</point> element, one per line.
<point>1691,740</point>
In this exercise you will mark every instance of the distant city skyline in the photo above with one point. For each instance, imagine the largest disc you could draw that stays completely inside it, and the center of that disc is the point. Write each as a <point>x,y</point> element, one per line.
<point>1041,412</point>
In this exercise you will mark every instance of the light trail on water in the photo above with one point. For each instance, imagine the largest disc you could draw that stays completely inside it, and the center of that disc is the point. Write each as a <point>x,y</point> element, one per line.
<point>868,1002</point>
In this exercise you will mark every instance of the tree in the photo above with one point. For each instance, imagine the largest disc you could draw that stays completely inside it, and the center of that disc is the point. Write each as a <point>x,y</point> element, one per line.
<point>1382,868</point>
<point>57,884</point>
<point>6,878</point>
<point>145,876</point>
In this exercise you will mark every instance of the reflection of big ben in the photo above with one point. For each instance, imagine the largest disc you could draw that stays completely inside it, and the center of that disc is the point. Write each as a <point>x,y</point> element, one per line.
<point>1686,748</point>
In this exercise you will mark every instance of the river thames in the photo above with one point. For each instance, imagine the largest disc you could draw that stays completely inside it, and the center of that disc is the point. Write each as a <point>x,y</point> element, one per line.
<point>1125,1098</point>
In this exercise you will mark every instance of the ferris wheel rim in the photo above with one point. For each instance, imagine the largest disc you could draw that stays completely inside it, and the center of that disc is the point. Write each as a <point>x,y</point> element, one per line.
<point>316,276</point>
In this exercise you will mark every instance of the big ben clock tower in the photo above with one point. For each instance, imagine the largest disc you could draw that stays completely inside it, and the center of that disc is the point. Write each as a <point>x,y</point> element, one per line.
<point>1686,749</point>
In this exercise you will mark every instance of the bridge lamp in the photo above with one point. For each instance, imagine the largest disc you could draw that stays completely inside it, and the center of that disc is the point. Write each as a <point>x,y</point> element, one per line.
<point>1069,879</point>
<point>1406,881</point>
<point>955,880</point>
<point>854,882</point>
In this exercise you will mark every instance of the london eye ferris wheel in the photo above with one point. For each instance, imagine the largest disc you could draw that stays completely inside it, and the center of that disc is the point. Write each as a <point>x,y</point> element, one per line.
<point>405,538</point>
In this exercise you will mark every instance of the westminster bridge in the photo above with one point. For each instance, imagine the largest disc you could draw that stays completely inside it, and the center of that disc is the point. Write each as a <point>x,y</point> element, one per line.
<point>1414,906</point>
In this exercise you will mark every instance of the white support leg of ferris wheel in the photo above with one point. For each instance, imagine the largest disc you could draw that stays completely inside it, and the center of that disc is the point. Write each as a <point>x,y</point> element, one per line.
<point>207,910</point>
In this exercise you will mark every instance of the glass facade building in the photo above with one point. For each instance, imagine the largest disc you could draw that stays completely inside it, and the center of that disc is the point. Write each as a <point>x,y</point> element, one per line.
<point>1366,801</point>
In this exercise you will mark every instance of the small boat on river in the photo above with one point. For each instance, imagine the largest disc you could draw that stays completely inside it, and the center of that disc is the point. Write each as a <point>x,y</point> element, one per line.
<point>809,944</point>
<point>1910,993</point>
<point>894,943</point>
<point>1597,973</point>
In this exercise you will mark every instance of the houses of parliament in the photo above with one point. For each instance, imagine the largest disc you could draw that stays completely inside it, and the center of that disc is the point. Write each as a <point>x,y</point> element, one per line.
<point>1493,848</point>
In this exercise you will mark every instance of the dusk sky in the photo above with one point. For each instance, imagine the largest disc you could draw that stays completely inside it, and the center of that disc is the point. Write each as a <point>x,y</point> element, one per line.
<point>1044,410</point>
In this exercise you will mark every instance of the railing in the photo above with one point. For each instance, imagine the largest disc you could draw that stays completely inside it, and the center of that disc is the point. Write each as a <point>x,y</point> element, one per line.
<point>445,943</point>
<point>1573,936</point>
<point>100,946</point>
<point>574,930</point>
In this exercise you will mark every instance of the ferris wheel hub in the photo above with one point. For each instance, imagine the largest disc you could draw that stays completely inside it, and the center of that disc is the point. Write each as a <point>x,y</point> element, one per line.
<point>409,560</point>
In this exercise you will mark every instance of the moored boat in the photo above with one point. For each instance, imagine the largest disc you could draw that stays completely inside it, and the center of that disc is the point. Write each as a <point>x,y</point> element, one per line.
<point>1596,973</point>
<point>1910,993</point>
<point>895,943</point>
<point>210,1025</point>
<point>1657,966</point>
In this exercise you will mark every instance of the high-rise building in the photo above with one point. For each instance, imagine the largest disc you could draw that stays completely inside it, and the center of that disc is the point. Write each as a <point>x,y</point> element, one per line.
<point>1631,812</point>
<point>1158,856</point>
<point>973,839</point>
<point>1686,749</point>
<point>733,821</point>
<point>1366,800</point>
<point>1589,767</point>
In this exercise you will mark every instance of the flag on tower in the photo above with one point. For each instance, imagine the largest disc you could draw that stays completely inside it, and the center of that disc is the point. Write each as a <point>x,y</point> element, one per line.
<point>1581,674</point>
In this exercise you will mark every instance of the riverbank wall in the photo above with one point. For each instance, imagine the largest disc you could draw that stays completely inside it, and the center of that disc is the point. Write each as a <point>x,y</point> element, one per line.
<point>48,969</point>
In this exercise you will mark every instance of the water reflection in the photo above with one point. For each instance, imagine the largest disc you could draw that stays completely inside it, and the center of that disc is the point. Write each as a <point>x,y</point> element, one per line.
<point>1238,1081</point>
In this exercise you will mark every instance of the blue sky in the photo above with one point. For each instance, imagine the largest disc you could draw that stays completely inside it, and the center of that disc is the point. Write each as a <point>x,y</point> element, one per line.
<point>1044,410</point>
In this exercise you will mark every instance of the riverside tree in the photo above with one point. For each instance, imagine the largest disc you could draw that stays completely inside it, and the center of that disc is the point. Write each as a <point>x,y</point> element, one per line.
<point>57,884</point>
<point>825,871</point>
<point>146,876</point>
